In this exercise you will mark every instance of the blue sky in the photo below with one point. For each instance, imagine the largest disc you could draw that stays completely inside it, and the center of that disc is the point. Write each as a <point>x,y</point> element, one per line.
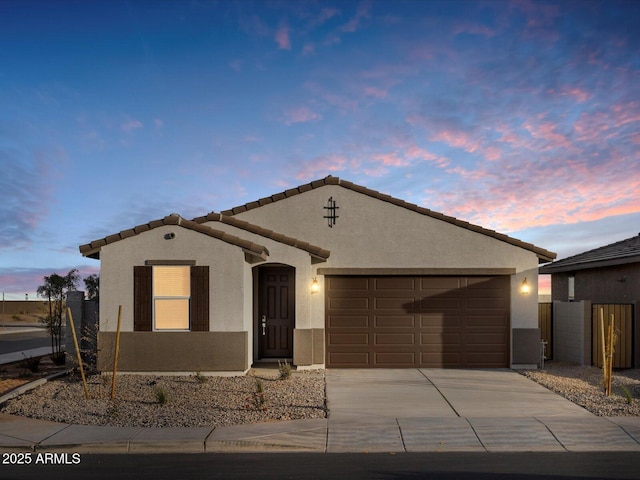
<point>519,116</point>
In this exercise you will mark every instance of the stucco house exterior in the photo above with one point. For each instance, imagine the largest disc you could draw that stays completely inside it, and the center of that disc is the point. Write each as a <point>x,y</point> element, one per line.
<point>330,274</point>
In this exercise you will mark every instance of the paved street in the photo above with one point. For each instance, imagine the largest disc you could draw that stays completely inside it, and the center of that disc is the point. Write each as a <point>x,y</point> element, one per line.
<point>258,466</point>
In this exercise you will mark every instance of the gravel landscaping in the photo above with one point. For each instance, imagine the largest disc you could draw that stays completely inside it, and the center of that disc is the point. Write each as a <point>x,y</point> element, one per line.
<point>166,401</point>
<point>194,401</point>
<point>583,386</point>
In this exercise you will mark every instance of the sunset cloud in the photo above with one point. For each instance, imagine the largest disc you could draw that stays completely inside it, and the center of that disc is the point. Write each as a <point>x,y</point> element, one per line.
<point>130,125</point>
<point>282,38</point>
<point>301,115</point>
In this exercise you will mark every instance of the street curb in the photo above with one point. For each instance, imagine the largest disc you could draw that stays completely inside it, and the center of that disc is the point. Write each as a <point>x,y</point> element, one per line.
<point>16,392</point>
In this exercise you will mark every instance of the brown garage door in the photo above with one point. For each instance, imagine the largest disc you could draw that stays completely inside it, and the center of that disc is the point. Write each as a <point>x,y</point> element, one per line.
<point>409,321</point>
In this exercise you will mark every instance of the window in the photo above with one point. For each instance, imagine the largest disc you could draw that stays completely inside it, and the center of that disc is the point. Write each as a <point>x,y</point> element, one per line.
<point>171,297</point>
<point>572,288</point>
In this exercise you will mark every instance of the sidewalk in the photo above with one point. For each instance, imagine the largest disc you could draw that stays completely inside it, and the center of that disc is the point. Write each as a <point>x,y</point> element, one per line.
<point>372,411</point>
<point>551,434</point>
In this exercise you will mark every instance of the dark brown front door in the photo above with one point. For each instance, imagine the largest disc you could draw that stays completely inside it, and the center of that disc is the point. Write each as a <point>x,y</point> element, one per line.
<point>276,312</point>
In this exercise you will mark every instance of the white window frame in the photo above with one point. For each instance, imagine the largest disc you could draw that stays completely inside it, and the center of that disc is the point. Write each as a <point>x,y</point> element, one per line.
<point>571,284</point>
<point>155,297</point>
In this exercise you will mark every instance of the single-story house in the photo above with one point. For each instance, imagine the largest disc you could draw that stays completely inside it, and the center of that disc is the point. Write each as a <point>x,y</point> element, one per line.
<point>609,274</point>
<point>330,274</point>
<point>604,281</point>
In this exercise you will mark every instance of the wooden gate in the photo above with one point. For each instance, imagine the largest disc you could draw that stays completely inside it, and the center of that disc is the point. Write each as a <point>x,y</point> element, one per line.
<point>622,328</point>
<point>545,324</point>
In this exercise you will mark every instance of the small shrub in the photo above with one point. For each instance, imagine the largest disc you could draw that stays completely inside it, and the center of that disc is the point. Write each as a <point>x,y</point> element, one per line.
<point>285,370</point>
<point>161,397</point>
<point>200,378</point>
<point>627,394</point>
<point>30,363</point>
<point>258,399</point>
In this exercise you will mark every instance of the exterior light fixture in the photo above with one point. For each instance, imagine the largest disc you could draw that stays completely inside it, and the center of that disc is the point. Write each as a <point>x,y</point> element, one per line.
<point>315,286</point>
<point>525,288</point>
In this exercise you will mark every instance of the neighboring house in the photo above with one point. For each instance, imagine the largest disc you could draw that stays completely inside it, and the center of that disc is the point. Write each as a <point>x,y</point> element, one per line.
<point>328,274</point>
<point>609,274</point>
<point>604,281</point>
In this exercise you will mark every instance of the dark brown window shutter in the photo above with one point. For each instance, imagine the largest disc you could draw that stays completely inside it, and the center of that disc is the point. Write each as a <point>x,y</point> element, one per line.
<point>142,299</point>
<point>200,299</point>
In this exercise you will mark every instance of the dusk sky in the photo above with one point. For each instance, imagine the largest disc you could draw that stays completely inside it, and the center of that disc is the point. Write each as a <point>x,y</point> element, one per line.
<point>519,116</point>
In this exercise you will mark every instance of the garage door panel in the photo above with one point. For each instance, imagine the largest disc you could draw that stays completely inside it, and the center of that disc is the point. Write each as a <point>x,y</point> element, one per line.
<point>418,322</point>
<point>442,283</point>
<point>440,320</point>
<point>350,339</point>
<point>394,283</point>
<point>407,339</point>
<point>348,359</point>
<point>348,321</point>
<point>349,303</point>
<point>450,359</point>
<point>439,304</point>
<point>395,321</point>
<point>395,359</point>
<point>440,339</point>
<point>394,303</point>
<point>348,283</point>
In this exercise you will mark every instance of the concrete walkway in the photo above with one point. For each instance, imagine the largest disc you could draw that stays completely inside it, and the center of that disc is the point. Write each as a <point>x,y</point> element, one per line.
<point>373,411</point>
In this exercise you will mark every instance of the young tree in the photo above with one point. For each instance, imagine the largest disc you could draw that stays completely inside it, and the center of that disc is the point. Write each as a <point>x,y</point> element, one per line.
<point>92,283</point>
<point>55,289</point>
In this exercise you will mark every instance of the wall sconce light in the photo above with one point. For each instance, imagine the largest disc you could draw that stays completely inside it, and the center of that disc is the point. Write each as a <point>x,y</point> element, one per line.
<point>525,288</point>
<point>315,286</point>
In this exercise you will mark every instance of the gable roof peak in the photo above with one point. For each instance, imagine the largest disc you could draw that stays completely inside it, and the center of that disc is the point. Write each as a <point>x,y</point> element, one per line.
<point>543,255</point>
<point>92,249</point>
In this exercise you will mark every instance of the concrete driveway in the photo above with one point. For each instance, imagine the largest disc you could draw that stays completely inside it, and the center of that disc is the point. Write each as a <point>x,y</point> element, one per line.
<point>418,410</point>
<point>408,393</point>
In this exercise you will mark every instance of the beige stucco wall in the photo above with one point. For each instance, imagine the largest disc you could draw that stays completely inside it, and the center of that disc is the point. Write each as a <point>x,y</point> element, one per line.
<point>227,282</point>
<point>370,233</point>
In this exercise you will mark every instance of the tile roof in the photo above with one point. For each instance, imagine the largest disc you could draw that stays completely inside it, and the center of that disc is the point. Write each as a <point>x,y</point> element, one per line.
<point>92,249</point>
<point>313,250</point>
<point>618,253</point>
<point>543,255</point>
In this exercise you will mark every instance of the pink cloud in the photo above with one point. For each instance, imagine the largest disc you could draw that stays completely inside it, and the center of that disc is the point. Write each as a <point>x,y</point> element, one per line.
<point>547,131</point>
<point>391,159</point>
<point>456,139</point>
<point>130,125</point>
<point>363,11</point>
<point>473,29</point>
<point>327,14</point>
<point>308,49</point>
<point>301,115</point>
<point>282,38</point>
<point>375,92</point>
<point>321,165</point>
<point>626,113</point>
<point>510,196</point>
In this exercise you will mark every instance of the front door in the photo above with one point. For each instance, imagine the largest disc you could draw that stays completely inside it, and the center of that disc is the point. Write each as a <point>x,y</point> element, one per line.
<point>276,312</point>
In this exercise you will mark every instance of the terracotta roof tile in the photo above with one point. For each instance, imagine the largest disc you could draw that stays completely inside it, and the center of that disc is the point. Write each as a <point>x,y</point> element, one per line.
<point>313,250</point>
<point>93,249</point>
<point>543,255</point>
